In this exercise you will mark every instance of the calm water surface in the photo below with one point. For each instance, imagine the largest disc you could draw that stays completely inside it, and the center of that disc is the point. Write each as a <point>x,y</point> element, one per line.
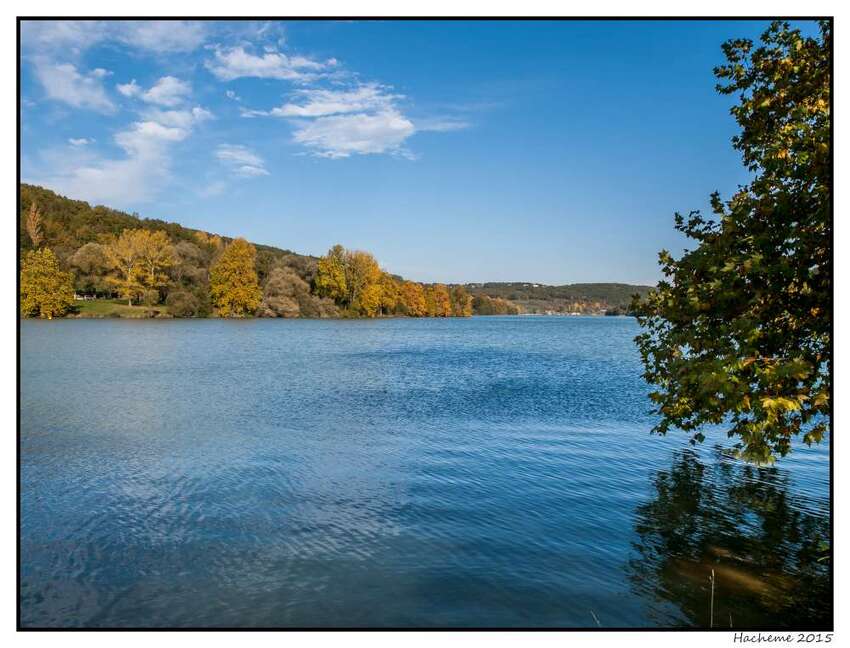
<point>429,473</point>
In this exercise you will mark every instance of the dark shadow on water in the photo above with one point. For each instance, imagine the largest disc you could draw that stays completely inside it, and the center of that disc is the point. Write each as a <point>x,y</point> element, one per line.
<point>769,551</point>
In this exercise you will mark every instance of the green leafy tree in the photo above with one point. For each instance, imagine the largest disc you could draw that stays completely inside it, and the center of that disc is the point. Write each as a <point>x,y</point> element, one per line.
<point>92,265</point>
<point>461,302</point>
<point>46,290</point>
<point>234,286</point>
<point>739,333</point>
<point>182,303</point>
<point>390,294</point>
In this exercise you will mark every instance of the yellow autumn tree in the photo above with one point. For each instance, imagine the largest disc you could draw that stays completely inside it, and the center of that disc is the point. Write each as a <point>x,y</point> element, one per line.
<point>234,287</point>
<point>212,241</point>
<point>330,275</point>
<point>430,301</point>
<point>46,291</point>
<point>442,301</point>
<point>390,294</point>
<point>125,255</point>
<point>33,224</point>
<point>413,298</point>
<point>369,301</point>
<point>361,272</point>
<point>355,281</point>
<point>156,255</point>
<point>352,278</point>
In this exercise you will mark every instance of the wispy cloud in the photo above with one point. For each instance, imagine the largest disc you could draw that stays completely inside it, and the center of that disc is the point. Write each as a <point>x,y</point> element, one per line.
<point>235,62</point>
<point>241,160</point>
<point>64,82</point>
<point>328,110</point>
<point>441,124</point>
<point>316,102</point>
<point>184,119</point>
<point>163,36</point>
<point>75,36</point>
<point>131,89</point>
<point>340,136</point>
<point>167,91</point>
<point>332,113</point>
<point>360,119</point>
<point>140,174</point>
<point>67,36</point>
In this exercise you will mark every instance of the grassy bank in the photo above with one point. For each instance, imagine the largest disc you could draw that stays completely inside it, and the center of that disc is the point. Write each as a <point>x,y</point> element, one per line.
<point>116,308</point>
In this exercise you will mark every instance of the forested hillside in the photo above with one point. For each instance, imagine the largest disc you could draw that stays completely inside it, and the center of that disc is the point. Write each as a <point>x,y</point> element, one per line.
<point>158,268</point>
<point>69,224</point>
<point>81,235</point>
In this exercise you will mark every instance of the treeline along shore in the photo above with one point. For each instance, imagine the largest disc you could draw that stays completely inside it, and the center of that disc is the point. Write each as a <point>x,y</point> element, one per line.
<point>82,261</point>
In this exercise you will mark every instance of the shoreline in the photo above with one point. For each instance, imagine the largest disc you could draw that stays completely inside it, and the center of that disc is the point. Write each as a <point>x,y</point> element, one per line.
<point>327,319</point>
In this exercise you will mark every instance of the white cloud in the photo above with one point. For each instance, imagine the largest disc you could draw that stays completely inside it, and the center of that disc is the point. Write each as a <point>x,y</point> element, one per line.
<point>274,30</point>
<point>121,182</point>
<point>147,137</point>
<point>340,136</point>
<point>168,91</point>
<point>340,122</point>
<point>63,82</point>
<point>63,35</point>
<point>248,170</point>
<point>241,160</point>
<point>131,89</point>
<point>201,114</point>
<point>320,102</point>
<point>79,141</point>
<point>238,153</point>
<point>346,118</point>
<point>184,119</point>
<point>162,36</point>
<point>441,124</point>
<point>235,63</point>
<point>143,171</point>
<point>75,36</point>
<point>158,128</point>
<point>248,113</point>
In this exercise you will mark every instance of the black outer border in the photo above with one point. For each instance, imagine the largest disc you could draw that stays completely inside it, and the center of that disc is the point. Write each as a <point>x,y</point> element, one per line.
<point>831,20</point>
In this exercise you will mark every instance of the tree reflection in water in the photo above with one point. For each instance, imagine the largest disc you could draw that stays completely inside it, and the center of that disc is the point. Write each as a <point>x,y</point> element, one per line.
<point>769,551</point>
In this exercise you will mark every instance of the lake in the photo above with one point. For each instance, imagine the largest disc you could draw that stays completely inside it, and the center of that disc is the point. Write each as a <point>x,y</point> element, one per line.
<point>482,472</point>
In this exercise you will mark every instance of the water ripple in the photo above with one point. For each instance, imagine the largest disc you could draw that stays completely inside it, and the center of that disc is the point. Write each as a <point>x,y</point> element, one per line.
<point>483,472</point>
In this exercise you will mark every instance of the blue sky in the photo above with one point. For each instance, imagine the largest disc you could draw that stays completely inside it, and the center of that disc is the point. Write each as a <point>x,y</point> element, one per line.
<point>551,152</point>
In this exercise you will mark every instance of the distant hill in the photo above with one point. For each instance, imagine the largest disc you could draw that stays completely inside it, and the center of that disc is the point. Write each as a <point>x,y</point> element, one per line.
<point>586,298</point>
